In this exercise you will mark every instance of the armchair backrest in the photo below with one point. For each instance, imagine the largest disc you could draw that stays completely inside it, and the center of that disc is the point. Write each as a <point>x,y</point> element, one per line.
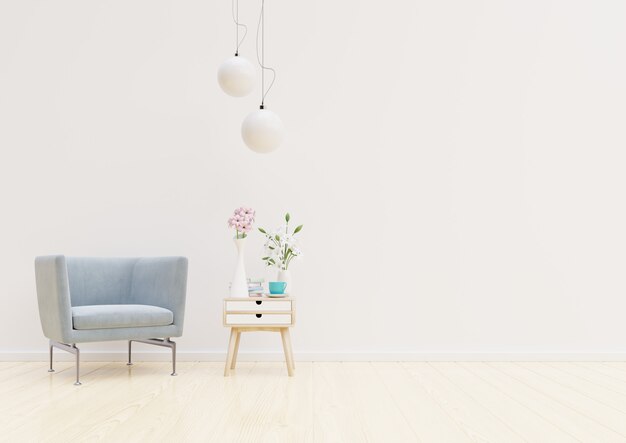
<point>100,281</point>
<point>161,281</point>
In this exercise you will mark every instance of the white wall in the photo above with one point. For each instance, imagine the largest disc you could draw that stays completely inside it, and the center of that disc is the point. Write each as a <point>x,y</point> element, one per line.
<point>458,166</point>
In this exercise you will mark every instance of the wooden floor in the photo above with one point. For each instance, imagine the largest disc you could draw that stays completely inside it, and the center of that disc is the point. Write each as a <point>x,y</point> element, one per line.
<point>324,402</point>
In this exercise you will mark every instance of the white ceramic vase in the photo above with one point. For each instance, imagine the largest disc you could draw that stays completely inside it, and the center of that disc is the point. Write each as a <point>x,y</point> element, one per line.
<point>285,275</point>
<point>239,283</point>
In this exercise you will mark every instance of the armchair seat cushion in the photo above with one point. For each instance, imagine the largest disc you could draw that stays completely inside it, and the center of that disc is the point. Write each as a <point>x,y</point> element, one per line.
<point>120,316</point>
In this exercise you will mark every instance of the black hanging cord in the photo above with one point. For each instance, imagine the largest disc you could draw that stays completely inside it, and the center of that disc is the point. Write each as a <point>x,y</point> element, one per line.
<point>261,60</point>
<point>235,12</point>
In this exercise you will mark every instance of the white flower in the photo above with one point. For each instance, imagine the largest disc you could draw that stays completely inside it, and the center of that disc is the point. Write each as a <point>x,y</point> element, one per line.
<point>277,242</point>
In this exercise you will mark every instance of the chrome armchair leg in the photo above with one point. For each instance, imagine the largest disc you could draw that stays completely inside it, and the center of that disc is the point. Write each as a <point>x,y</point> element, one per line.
<point>51,348</point>
<point>173,346</point>
<point>72,349</point>
<point>129,353</point>
<point>158,342</point>
<point>77,383</point>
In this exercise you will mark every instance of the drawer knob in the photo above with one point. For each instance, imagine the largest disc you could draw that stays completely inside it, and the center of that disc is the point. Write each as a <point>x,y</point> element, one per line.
<point>258,302</point>
<point>259,315</point>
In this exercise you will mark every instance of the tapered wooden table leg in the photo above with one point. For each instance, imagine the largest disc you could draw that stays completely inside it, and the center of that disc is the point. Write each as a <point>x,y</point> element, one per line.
<point>236,351</point>
<point>231,351</point>
<point>284,333</point>
<point>288,335</point>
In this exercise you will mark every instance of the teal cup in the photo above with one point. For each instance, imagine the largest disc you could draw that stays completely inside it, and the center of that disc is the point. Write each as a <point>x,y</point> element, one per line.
<point>278,287</point>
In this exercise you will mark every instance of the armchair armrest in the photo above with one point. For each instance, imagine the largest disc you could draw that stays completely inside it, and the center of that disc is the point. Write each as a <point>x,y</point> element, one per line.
<point>53,296</point>
<point>161,281</point>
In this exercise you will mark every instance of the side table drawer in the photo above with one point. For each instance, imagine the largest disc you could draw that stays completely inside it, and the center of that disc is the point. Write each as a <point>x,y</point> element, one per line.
<point>258,319</point>
<point>258,305</point>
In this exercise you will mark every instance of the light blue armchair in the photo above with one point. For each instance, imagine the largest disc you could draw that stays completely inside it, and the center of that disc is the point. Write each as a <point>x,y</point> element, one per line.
<point>102,299</point>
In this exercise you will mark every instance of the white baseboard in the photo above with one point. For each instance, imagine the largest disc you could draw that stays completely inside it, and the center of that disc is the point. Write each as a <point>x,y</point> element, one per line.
<point>219,356</point>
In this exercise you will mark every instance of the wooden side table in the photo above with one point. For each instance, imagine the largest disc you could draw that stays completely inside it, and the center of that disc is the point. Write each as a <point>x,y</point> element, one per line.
<point>259,314</point>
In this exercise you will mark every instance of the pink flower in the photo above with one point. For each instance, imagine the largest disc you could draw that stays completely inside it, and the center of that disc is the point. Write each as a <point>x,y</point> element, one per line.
<point>242,219</point>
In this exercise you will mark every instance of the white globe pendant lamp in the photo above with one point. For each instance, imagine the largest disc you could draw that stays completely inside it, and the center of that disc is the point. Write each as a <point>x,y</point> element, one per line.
<point>262,130</point>
<point>236,75</point>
